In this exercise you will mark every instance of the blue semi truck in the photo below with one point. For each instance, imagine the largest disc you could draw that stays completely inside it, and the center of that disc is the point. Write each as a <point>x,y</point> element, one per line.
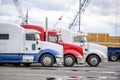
<point>111,42</point>
<point>113,53</point>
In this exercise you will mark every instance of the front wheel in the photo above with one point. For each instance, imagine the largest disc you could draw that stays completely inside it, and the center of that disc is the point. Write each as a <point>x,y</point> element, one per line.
<point>93,60</point>
<point>69,61</point>
<point>47,60</point>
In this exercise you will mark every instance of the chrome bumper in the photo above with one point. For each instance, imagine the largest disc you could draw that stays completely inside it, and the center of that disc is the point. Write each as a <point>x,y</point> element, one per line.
<point>80,60</point>
<point>59,60</point>
<point>104,59</point>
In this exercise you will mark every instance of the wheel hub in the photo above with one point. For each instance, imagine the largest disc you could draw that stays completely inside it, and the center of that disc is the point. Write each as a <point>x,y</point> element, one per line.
<point>47,60</point>
<point>113,58</point>
<point>94,61</point>
<point>68,61</point>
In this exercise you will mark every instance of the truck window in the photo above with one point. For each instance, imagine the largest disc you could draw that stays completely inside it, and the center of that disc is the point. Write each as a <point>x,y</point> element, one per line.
<point>78,39</point>
<point>4,36</point>
<point>52,38</point>
<point>30,37</point>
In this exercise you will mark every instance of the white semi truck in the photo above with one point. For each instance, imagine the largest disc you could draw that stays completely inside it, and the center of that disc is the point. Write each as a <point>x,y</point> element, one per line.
<point>94,53</point>
<point>18,45</point>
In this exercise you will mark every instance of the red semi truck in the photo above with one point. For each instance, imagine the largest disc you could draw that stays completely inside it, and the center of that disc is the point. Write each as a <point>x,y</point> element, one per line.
<point>72,53</point>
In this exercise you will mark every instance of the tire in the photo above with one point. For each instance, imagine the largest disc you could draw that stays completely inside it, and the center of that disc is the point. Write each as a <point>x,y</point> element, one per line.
<point>113,57</point>
<point>69,61</point>
<point>93,60</point>
<point>47,60</point>
<point>26,64</point>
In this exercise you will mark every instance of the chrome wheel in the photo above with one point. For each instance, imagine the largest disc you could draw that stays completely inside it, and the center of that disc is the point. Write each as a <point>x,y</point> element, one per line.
<point>47,60</point>
<point>69,61</point>
<point>93,60</point>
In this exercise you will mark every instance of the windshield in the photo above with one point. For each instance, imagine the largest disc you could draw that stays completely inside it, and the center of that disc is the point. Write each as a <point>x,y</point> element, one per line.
<point>80,39</point>
<point>53,38</point>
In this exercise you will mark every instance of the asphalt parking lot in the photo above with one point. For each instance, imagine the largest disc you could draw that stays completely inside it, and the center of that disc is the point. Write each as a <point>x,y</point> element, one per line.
<point>105,71</point>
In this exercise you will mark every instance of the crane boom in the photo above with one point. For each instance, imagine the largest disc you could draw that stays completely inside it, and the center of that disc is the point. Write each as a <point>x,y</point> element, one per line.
<point>24,18</point>
<point>83,6</point>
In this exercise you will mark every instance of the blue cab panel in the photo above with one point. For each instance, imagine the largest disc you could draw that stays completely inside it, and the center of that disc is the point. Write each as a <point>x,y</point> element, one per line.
<point>15,58</point>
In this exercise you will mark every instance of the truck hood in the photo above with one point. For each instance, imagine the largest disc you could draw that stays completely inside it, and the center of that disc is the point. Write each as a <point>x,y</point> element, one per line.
<point>72,47</point>
<point>53,46</point>
<point>93,46</point>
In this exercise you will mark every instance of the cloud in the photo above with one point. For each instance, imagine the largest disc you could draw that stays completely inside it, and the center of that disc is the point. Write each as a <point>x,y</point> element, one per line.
<point>97,23</point>
<point>101,16</point>
<point>6,2</point>
<point>8,10</point>
<point>46,4</point>
<point>102,7</point>
<point>10,19</point>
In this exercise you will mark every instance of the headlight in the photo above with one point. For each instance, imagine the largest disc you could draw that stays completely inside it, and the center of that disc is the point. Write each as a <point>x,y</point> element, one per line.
<point>79,56</point>
<point>103,56</point>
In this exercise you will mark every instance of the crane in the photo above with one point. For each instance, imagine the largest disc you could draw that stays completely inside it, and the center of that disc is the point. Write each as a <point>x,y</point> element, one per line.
<point>83,6</point>
<point>24,18</point>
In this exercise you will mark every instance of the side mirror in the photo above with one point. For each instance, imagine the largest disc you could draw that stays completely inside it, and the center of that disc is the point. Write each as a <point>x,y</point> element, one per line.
<point>83,41</point>
<point>37,38</point>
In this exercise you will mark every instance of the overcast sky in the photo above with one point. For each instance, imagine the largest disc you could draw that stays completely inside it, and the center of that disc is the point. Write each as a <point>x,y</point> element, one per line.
<point>101,16</point>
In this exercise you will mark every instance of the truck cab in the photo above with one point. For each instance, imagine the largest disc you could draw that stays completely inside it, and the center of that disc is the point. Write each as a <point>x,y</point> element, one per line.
<point>72,53</point>
<point>94,53</point>
<point>21,46</point>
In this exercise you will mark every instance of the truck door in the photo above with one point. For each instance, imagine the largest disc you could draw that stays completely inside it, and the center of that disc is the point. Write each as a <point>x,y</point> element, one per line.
<point>81,40</point>
<point>30,43</point>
